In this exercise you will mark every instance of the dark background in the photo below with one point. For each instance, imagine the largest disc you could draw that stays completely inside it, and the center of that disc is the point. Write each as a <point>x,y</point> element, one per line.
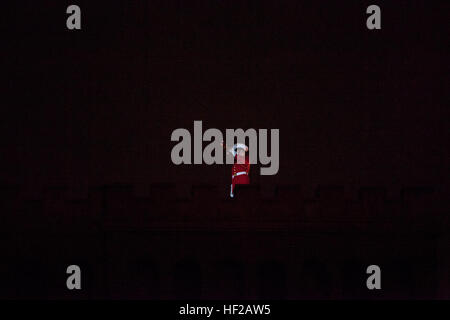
<point>86,175</point>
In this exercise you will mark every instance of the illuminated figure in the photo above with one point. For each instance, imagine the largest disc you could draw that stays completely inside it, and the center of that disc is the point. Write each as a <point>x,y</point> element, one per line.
<point>241,166</point>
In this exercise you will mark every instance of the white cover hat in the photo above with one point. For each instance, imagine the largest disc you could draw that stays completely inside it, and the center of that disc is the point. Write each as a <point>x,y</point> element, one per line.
<point>240,146</point>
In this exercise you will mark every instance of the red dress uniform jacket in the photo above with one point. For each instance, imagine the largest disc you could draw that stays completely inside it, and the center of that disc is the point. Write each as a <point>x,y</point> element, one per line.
<point>240,172</point>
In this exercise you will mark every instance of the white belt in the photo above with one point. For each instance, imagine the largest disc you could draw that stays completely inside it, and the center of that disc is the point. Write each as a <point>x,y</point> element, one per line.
<point>239,173</point>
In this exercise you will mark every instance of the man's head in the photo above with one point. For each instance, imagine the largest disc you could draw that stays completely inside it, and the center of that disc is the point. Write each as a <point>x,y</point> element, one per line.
<point>241,149</point>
